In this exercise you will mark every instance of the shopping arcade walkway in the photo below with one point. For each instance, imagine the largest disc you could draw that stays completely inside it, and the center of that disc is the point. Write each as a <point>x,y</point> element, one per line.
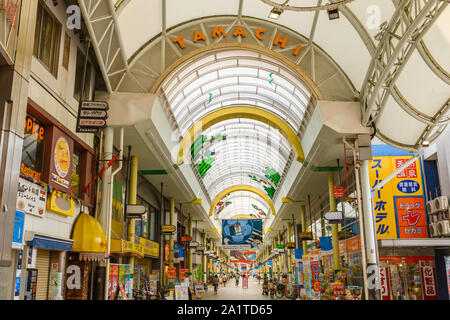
<point>231,292</point>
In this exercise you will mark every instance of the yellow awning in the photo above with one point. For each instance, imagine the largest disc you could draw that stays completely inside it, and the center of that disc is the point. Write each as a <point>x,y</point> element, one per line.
<point>88,235</point>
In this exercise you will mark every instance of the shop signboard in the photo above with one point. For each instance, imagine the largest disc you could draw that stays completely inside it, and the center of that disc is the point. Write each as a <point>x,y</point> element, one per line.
<point>399,206</point>
<point>181,291</point>
<point>194,244</point>
<point>186,239</point>
<point>92,116</point>
<point>168,229</point>
<point>305,235</point>
<point>242,234</point>
<point>31,198</point>
<point>428,282</point>
<point>385,285</point>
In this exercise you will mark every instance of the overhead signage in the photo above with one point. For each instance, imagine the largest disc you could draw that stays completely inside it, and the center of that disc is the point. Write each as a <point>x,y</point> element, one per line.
<point>135,211</point>
<point>92,116</point>
<point>200,249</point>
<point>168,229</point>
<point>290,245</point>
<point>242,233</point>
<point>334,217</point>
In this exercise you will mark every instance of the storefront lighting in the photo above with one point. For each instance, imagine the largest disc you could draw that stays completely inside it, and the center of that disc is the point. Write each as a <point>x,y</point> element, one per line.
<point>275,13</point>
<point>425,143</point>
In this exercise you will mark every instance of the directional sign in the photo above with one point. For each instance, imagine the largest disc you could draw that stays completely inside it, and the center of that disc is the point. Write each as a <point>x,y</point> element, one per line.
<point>334,217</point>
<point>88,129</point>
<point>93,114</point>
<point>135,211</point>
<point>96,105</point>
<point>99,123</point>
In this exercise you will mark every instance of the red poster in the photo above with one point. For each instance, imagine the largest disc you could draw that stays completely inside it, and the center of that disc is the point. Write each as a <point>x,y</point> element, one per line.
<point>384,279</point>
<point>428,283</point>
<point>182,273</point>
<point>409,172</point>
<point>171,273</point>
<point>411,217</point>
<point>315,274</point>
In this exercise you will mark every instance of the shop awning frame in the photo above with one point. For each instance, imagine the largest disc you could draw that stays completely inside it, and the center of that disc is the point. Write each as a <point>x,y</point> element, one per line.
<point>414,243</point>
<point>50,243</point>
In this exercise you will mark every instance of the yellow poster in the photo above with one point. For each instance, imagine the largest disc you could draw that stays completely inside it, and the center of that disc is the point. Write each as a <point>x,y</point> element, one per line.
<point>398,205</point>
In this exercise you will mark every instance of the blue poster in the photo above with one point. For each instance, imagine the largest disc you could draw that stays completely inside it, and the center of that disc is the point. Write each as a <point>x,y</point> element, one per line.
<point>242,233</point>
<point>19,223</point>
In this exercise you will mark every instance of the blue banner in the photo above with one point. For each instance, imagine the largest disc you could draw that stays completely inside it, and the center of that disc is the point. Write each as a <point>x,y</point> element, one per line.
<point>326,244</point>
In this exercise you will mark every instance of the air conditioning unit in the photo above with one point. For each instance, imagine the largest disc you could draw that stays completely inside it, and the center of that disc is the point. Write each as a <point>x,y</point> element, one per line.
<point>433,230</point>
<point>444,215</point>
<point>434,217</point>
<point>441,203</point>
<point>444,228</point>
<point>431,207</point>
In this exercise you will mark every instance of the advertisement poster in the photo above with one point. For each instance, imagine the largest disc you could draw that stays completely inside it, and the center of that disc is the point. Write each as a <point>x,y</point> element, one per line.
<point>182,273</point>
<point>31,198</point>
<point>315,272</point>
<point>113,280</point>
<point>399,206</point>
<point>127,281</point>
<point>181,291</point>
<point>19,223</point>
<point>199,289</point>
<point>447,267</point>
<point>242,234</point>
<point>307,286</point>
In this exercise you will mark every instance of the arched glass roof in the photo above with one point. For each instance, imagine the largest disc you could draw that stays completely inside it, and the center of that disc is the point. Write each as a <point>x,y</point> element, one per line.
<point>242,203</point>
<point>237,151</point>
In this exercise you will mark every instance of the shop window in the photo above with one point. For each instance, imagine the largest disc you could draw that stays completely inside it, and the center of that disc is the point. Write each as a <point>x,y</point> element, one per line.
<point>47,39</point>
<point>79,78</point>
<point>76,172</point>
<point>33,149</point>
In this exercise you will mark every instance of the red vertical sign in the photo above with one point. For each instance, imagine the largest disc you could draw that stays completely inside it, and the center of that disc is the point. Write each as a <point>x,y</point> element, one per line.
<point>428,283</point>
<point>315,274</point>
<point>384,279</point>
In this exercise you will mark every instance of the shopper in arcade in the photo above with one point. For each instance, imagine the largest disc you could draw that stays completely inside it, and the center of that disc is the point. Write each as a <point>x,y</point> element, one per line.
<point>237,278</point>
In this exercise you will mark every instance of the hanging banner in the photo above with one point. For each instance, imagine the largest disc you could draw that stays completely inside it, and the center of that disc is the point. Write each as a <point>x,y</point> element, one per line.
<point>384,281</point>
<point>315,272</point>
<point>242,234</point>
<point>171,273</point>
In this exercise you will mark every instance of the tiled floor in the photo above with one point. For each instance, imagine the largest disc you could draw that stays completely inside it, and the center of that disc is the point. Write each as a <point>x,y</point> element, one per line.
<point>231,292</point>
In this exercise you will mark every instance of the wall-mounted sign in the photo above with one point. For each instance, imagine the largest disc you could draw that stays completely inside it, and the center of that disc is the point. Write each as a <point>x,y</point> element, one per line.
<point>186,239</point>
<point>34,127</point>
<point>168,229</point>
<point>305,235</point>
<point>338,191</point>
<point>290,245</point>
<point>59,168</point>
<point>334,217</point>
<point>135,211</point>
<point>61,203</point>
<point>194,244</point>
<point>31,198</point>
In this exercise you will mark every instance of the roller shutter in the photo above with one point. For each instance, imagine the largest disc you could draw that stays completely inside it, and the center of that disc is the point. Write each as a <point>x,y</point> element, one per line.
<point>43,267</point>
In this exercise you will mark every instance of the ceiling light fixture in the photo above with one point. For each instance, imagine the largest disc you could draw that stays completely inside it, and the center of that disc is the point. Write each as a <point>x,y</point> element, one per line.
<point>275,13</point>
<point>333,14</point>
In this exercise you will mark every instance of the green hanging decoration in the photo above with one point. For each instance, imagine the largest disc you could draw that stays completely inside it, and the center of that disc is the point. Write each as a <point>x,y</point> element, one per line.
<point>270,191</point>
<point>273,176</point>
<point>204,166</point>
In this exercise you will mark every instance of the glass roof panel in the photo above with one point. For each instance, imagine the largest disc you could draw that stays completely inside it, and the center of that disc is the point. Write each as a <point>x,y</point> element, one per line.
<point>237,151</point>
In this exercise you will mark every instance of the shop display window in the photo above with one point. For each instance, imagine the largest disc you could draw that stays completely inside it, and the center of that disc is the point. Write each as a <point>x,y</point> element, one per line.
<point>33,149</point>
<point>406,281</point>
